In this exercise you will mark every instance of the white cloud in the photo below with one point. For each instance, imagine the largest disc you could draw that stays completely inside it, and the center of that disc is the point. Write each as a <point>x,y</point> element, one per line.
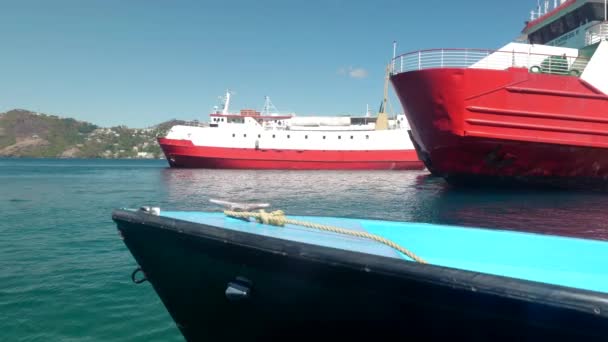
<point>358,73</point>
<point>353,72</point>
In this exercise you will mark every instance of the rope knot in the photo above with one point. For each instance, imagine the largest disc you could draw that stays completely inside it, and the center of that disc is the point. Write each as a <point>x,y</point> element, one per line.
<point>275,218</point>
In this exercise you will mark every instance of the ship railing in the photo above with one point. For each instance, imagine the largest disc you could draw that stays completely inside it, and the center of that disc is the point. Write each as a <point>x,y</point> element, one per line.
<point>489,59</point>
<point>596,33</point>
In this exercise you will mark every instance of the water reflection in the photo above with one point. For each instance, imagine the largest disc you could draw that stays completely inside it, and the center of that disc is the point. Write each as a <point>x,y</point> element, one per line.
<point>373,194</point>
<point>552,212</point>
<point>402,196</point>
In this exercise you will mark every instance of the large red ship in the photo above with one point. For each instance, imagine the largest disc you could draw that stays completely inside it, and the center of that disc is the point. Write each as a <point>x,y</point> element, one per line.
<point>534,111</point>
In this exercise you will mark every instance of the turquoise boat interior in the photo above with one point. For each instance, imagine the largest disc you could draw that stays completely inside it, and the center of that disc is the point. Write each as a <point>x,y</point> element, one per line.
<point>557,260</point>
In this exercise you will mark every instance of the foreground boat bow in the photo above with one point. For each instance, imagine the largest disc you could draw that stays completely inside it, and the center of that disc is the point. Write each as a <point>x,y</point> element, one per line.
<point>229,278</point>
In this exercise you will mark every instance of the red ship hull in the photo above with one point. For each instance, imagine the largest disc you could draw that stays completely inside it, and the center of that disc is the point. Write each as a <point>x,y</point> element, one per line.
<point>510,125</point>
<point>182,153</point>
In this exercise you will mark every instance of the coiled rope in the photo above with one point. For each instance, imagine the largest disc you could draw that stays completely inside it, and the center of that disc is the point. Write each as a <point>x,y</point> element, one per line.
<point>278,218</point>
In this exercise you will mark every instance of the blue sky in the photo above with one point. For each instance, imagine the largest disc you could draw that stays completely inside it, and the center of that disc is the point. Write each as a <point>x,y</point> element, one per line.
<point>141,62</point>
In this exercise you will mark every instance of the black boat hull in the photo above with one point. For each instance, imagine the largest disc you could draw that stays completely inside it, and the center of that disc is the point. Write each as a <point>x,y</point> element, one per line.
<point>309,291</point>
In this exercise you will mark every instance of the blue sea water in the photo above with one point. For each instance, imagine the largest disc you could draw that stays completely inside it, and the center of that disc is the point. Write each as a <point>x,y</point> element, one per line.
<point>65,274</point>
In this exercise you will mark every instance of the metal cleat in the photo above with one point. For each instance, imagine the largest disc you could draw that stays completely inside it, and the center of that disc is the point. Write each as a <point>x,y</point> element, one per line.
<point>150,210</point>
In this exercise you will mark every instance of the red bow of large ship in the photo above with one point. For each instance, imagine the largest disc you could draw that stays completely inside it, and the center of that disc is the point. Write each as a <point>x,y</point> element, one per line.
<point>529,112</point>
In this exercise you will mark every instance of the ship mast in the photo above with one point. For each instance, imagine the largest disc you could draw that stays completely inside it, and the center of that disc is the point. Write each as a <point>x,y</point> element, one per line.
<point>382,120</point>
<point>269,108</point>
<point>226,103</point>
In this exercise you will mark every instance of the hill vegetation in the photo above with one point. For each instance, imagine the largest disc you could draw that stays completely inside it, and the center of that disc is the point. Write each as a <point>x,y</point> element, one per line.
<point>29,134</point>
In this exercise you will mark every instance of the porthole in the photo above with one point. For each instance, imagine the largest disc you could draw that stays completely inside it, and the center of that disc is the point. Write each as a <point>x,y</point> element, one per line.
<point>306,137</point>
<point>351,136</point>
<point>233,135</point>
<point>323,137</point>
<point>287,136</point>
<point>273,135</point>
<point>259,135</point>
<point>244,135</point>
<point>367,137</point>
<point>339,137</point>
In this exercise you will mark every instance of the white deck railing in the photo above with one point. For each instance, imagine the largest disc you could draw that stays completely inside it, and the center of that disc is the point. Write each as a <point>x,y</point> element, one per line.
<point>596,33</point>
<point>488,59</point>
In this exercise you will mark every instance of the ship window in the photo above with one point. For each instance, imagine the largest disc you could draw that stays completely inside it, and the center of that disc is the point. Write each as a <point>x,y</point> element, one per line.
<point>367,137</point>
<point>233,135</point>
<point>306,137</point>
<point>535,38</point>
<point>287,136</point>
<point>571,20</point>
<point>236,120</point>
<point>339,137</point>
<point>351,136</point>
<point>323,137</point>
<point>244,135</point>
<point>567,23</point>
<point>259,135</point>
<point>273,135</point>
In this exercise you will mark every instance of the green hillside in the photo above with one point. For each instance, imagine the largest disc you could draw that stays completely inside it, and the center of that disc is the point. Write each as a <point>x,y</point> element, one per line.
<point>28,134</point>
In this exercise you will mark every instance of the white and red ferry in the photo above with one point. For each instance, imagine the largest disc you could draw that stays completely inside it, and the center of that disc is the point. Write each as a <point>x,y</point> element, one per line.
<point>534,111</point>
<point>267,140</point>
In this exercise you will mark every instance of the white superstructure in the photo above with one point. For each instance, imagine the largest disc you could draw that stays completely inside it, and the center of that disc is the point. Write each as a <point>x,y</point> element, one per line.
<point>270,130</point>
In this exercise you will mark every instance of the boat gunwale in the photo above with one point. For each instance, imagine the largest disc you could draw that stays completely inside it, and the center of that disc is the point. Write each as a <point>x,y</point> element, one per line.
<point>588,302</point>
